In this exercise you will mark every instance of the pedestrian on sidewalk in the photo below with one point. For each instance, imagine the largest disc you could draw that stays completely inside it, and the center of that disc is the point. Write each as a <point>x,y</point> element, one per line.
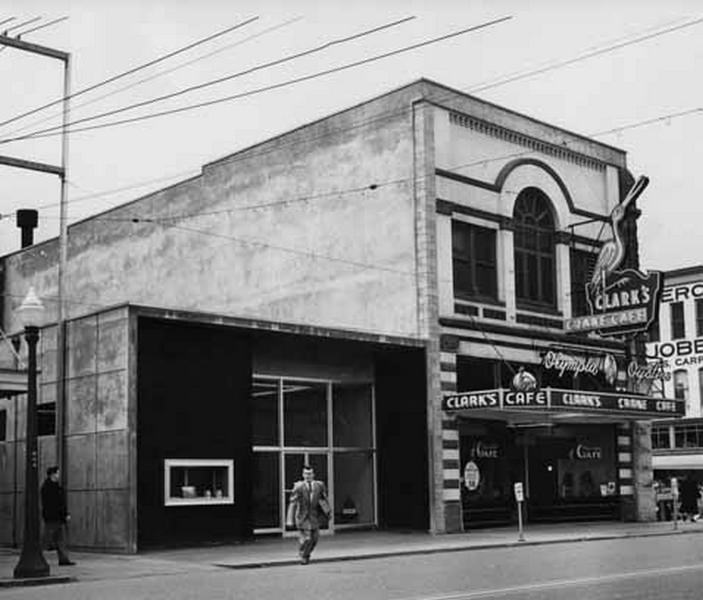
<point>689,498</point>
<point>308,507</point>
<point>55,514</point>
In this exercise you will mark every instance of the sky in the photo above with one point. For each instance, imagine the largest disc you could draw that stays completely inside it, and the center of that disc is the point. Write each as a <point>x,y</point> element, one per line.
<point>650,91</point>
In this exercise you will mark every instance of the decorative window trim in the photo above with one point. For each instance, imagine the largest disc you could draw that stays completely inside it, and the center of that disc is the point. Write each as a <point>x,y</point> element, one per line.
<point>227,498</point>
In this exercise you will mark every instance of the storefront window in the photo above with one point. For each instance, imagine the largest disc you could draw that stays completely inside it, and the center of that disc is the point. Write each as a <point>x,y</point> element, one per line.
<point>351,410</point>
<point>264,412</point>
<point>576,464</point>
<point>490,463</point>
<point>266,494</point>
<point>353,488</point>
<point>305,413</point>
<point>338,444</point>
<point>198,481</point>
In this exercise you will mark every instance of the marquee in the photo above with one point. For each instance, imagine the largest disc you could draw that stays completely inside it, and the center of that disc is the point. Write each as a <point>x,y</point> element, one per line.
<point>636,406</point>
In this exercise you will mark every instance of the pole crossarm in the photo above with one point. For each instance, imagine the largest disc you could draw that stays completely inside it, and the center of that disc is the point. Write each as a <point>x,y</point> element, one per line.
<point>31,165</point>
<point>35,48</point>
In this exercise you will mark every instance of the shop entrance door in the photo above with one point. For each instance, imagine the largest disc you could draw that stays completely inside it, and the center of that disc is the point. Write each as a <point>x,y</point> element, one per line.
<point>293,463</point>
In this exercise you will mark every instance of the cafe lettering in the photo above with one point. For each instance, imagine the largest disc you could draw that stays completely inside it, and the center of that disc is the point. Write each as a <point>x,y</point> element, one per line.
<point>624,405</point>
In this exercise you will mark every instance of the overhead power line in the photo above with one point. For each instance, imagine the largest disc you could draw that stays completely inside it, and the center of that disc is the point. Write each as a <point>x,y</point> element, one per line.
<point>49,24</point>
<point>22,24</point>
<point>273,86</point>
<point>388,114</point>
<point>130,71</point>
<point>614,45</point>
<point>7,20</point>
<point>588,54</point>
<point>158,74</point>
<point>219,80</point>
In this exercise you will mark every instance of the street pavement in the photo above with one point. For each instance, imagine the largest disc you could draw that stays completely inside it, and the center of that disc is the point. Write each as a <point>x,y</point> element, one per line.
<point>588,562</point>
<point>350,551</point>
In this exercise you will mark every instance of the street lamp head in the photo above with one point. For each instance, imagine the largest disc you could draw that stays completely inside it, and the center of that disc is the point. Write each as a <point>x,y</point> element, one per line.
<point>31,311</point>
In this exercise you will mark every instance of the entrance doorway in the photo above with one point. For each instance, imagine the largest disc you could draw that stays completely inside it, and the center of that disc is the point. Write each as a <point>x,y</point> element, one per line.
<point>326,424</point>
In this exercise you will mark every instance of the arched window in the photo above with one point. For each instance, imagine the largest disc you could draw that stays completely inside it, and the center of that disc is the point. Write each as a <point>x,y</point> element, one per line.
<point>533,240</point>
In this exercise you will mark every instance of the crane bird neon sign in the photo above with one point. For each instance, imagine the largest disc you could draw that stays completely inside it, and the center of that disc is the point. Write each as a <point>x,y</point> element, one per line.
<point>620,301</point>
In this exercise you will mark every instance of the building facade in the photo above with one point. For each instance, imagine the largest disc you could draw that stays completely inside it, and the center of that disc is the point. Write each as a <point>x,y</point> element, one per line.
<point>677,345</point>
<point>316,298</point>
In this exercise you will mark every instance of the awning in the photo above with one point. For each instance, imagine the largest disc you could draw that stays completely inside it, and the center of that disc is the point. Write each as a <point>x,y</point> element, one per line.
<point>677,461</point>
<point>12,381</point>
<point>558,402</point>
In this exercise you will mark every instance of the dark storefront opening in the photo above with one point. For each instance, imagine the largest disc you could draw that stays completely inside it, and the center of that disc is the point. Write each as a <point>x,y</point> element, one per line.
<point>568,470</point>
<point>572,473</point>
<point>211,466</point>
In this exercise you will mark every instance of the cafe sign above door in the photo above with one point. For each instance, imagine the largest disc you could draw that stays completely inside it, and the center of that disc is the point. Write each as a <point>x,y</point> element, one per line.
<point>551,399</point>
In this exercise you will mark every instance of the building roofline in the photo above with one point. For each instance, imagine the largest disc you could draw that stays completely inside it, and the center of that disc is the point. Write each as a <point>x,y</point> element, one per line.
<point>418,83</point>
<point>523,116</point>
<point>683,271</point>
<point>103,213</point>
<point>415,83</point>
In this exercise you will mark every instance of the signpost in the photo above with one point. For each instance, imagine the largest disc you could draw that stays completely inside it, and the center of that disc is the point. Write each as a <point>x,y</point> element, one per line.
<point>519,497</point>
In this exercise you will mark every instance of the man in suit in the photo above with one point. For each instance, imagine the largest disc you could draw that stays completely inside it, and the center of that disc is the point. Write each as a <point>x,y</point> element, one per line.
<point>308,506</point>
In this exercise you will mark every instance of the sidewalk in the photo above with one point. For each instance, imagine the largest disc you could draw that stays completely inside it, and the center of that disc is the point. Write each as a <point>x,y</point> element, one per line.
<point>277,552</point>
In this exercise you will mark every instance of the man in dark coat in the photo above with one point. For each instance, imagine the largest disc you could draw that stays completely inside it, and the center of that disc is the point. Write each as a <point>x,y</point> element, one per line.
<point>689,498</point>
<point>55,514</point>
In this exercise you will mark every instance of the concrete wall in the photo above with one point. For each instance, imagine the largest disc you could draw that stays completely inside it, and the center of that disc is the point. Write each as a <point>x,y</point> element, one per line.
<point>98,441</point>
<point>332,242</point>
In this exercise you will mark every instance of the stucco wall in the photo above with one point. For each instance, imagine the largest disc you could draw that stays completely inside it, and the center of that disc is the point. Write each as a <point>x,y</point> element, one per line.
<point>314,227</point>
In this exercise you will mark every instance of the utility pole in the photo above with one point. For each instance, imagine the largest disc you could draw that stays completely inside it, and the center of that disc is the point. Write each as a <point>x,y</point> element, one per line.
<point>62,172</point>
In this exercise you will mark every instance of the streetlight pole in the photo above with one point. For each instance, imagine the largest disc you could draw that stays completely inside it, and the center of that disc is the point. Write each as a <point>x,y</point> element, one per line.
<point>32,562</point>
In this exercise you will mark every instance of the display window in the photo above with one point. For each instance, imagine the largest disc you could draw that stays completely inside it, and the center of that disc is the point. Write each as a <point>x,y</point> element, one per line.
<point>198,481</point>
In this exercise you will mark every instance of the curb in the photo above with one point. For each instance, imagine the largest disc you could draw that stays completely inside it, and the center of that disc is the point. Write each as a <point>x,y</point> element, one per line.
<point>36,581</point>
<point>287,562</point>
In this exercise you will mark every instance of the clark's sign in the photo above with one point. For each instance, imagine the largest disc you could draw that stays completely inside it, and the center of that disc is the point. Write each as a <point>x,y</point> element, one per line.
<point>634,406</point>
<point>627,303</point>
<point>619,301</point>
